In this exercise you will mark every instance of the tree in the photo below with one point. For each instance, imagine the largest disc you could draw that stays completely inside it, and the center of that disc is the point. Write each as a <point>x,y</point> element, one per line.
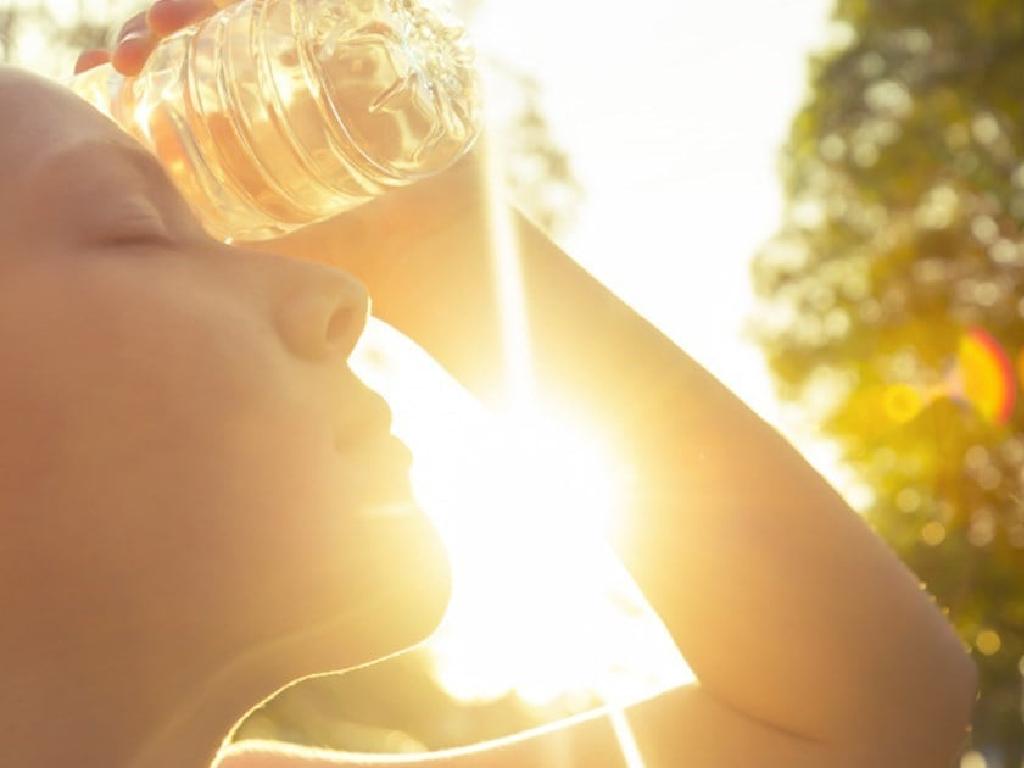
<point>893,294</point>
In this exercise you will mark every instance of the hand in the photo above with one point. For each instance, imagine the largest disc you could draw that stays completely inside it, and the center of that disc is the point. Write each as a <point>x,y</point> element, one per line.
<point>140,34</point>
<point>367,241</point>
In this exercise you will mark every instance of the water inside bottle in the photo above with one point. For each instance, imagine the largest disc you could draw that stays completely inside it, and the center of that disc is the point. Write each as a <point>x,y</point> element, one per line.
<point>274,114</point>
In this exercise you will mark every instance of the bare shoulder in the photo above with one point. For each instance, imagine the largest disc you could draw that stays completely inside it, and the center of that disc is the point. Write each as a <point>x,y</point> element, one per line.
<point>686,726</point>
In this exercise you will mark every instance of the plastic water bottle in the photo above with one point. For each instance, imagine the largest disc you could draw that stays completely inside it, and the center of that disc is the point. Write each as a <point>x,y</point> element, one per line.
<point>273,114</point>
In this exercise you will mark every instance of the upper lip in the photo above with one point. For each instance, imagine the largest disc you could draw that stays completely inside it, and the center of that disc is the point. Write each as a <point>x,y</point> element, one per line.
<point>362,421</point>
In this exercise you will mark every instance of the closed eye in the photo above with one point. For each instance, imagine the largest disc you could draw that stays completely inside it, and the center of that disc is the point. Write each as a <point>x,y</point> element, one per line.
<point>103,193</point>
<point>133,221</point>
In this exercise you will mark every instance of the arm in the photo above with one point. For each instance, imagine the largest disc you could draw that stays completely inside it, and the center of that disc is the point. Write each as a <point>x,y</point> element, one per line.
<point>788,609</point>
<point>807,634</point>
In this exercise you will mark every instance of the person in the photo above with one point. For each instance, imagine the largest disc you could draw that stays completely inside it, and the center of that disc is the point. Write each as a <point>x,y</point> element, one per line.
<point>188,470</point>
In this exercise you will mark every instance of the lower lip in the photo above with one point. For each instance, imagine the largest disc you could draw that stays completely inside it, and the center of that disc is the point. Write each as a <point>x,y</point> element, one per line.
<point>398,510</point>
<point>387,462</point>
<point>384,449</point>
<point>353,441</point>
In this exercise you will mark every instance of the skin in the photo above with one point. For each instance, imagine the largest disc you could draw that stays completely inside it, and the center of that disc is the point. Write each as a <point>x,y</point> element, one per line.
<point>154,590</point>
<point>187,462</point>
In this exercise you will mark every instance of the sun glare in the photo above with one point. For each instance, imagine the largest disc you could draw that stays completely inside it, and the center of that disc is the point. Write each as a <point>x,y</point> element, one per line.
<point>526,502</point>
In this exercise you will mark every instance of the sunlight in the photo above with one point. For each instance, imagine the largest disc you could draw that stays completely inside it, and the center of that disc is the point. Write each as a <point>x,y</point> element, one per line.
<point>627,741</point>
<point>505,252</point>
<point>530,609</point>
<point>527,503</point>
<point>285,87</point>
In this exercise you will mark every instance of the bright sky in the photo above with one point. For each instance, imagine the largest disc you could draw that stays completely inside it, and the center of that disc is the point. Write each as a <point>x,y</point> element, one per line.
<point>672,114</point>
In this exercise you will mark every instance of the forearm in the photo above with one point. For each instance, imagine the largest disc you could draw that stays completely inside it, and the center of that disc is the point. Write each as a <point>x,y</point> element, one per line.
<point>783,602</point>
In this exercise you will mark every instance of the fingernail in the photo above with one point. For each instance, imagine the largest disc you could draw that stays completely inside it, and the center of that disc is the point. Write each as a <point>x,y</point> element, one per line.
<point>90,59</point>
<point>130,54</point>
<point>134,25</point>
<point>132,37</point>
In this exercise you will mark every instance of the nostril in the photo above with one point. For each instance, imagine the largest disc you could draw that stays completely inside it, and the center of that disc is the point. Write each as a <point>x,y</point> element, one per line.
<point>322,320</point>
<point>340,323</point>
<point>315,326</point>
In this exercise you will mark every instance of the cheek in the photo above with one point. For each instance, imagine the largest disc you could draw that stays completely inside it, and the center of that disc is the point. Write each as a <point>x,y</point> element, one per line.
<point>188,468</point>
<point>146,380</point>
<point>175,439</point>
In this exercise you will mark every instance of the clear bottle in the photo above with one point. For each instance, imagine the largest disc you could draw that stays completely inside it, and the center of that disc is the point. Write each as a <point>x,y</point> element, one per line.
<point>273,114</point>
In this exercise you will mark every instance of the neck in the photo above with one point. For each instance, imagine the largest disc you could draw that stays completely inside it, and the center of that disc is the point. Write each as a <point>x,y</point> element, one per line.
<point>107,686</point>
<point>96,677</point>
<point>125,713</point>
<point>153,705</point>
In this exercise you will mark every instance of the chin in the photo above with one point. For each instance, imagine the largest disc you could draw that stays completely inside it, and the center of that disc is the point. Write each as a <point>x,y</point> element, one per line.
<point>399,580</point>
<point>383,614</point>
<point>412,581</point>
<point>390,594</point>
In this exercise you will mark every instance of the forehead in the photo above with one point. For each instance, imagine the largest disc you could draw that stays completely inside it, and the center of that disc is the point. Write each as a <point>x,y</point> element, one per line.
<point>41,118</point>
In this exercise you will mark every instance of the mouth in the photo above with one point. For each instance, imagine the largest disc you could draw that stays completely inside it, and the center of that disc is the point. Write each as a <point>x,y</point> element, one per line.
<point>378,467</point>
<point>371,424</point>
<point>378,448</point>
<point>376,463</point>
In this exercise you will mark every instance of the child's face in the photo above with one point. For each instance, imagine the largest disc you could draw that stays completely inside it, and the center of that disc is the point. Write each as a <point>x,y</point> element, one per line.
<point>188,468</point>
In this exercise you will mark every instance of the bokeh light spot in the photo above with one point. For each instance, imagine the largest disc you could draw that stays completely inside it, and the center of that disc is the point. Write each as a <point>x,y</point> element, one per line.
<point>988,642</point>
<point>933,533</point>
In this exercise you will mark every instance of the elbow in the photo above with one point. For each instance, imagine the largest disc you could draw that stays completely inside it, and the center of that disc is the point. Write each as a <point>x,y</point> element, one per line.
<point>943,680</point>
<point>935,725</point>
<point>963,692</point>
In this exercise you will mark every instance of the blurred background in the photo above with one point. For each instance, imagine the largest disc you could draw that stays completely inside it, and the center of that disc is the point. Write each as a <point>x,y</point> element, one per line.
<point>822,202</point>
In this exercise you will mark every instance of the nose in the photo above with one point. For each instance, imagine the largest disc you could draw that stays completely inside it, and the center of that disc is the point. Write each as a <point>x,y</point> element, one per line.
<point>322,313</point>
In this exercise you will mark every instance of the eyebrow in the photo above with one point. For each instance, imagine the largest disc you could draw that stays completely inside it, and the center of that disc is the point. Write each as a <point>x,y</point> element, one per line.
<point>96,152</point>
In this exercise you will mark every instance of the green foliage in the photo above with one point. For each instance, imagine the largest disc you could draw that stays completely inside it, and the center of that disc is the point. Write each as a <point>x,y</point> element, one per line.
<point>904,172</point>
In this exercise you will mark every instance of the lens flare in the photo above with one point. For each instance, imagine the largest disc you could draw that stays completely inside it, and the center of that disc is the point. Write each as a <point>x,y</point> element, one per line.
<point>903,402</point>
<point>987,380</point>
<point>981,377</point>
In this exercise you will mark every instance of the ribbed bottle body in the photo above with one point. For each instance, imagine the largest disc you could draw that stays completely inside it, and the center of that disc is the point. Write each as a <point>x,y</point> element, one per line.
<point>274,114</point>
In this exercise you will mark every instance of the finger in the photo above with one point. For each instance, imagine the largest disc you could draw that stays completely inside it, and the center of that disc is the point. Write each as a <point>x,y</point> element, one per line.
<point>132,51</point>
<point>91,58</point>
<point>168,16</point>
<point>134,25</point>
